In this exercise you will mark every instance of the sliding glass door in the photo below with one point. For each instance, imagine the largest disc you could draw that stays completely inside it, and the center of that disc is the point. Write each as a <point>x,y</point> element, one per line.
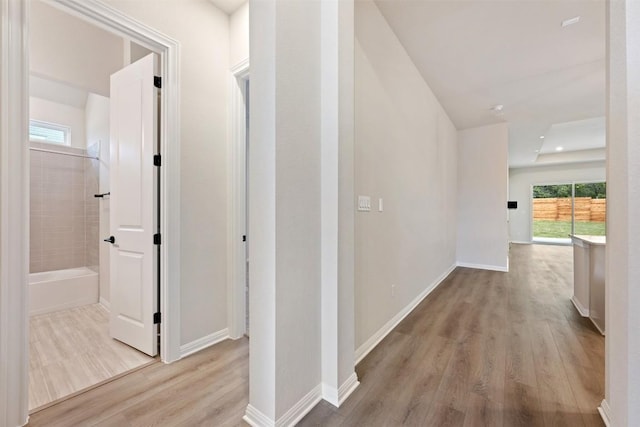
<point>590,208</point>
<point>572,208</point>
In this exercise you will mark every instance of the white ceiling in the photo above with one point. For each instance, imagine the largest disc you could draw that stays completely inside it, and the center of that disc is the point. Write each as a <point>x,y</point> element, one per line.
<point>55,91</point>
<point>477,54</point>
<point>228,6</point>
<point>574,136</point>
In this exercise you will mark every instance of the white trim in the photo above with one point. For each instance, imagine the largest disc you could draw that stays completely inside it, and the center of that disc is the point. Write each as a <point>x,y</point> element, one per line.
<point>106,304</point>
<point>483,266</point>
<point>348,387</point>
<point>204,342</point>
<point>168,49</point>
<point>302,408</point>
<point>241,69</point>
<point>605,412</point>
<point>584,312</point>
<point>256,418</point>
<point>14,190</point>
<point>337,396</point>
<point>236,264</point>
<point>520,242</point>
<point>597,327</point>
<point>375,339</point>
<point>14,212</point>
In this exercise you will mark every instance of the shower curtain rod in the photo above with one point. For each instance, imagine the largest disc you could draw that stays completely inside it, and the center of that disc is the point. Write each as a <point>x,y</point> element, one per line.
<point>44,150</point>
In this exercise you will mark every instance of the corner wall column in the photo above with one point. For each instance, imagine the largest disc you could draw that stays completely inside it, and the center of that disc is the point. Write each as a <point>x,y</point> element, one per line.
<point>621,406</point>
<point>300,208</point>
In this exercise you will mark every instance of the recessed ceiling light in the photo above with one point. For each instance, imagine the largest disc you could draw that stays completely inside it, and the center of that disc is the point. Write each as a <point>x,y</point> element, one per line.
<point>559,148</point>
<point>570,21</point>
<point>541,136</point>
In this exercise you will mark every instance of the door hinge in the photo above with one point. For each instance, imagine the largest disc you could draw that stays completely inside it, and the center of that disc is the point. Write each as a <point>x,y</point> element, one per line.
<point>157,82</point>
<point>157,240</point>
<point>157,318</point>
<point>244,238</point>
<point>157,160</point>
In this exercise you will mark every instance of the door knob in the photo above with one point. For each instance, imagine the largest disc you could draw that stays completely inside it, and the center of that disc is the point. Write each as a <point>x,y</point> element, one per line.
<point>111,240</point>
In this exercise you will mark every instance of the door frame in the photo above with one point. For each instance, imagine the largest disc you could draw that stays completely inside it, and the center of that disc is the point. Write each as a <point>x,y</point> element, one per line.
<point>14,187</point>
<point>236,267</point>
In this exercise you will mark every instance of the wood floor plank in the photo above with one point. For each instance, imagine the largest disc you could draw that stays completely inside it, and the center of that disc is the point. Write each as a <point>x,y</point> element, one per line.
<point>521,405</point>
<point>557,401</point>
<point>484,349</point>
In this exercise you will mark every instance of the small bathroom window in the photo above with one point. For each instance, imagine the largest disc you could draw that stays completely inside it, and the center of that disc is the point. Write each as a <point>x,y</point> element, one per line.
<point>49,132</point>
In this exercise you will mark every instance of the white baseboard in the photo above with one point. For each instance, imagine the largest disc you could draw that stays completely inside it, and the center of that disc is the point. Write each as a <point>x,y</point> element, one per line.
<point>302,408</point>
<point>521,242</point>
<point>597,327</point>
<point>204,342</point>
<point>584,312</point>
<point>337,396</point>
<point>605,412</point>
<point>256,418</point>
<point>484,266</point>
<point>106,304</point>
<point>375,339</point>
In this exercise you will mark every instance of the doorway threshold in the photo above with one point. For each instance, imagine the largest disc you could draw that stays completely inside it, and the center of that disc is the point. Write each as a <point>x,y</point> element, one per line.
<point>551,241</point>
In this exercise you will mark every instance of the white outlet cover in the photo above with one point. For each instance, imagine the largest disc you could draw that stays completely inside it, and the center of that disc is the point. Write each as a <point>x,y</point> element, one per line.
<point>364,203</point>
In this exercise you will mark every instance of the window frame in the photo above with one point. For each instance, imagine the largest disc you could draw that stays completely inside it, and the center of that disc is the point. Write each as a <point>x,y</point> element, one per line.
<point>52,126</point>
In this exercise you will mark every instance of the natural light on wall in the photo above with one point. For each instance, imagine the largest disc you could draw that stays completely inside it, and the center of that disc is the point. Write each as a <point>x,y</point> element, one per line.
<point>49,132</point>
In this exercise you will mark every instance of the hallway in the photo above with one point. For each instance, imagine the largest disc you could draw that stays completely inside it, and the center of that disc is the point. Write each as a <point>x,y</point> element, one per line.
<point>485,348</point>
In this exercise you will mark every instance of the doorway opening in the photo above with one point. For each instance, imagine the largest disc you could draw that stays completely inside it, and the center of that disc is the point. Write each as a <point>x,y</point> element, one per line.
<point>561,210</point>
<point>239,233</point>
<point>94,286</point>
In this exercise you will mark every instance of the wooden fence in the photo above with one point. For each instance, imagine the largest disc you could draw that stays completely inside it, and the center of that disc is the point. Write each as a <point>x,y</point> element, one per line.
<point>559,209</point>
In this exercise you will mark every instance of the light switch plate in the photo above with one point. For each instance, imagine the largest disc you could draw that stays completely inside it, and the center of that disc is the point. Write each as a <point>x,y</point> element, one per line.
<point>364,203</point>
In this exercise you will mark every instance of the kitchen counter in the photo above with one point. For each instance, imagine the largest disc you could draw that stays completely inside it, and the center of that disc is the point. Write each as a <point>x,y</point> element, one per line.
<point>588,277</point>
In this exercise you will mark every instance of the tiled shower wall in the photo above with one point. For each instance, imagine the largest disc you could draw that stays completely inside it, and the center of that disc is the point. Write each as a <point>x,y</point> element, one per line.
<point>63,216</point>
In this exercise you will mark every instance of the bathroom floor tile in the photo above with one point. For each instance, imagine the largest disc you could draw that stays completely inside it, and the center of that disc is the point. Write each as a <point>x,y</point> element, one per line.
<point>71,350</point>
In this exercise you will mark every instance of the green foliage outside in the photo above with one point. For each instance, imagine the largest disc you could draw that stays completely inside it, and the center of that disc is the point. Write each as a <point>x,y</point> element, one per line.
<point>595,190</point>
<point>562,229</point>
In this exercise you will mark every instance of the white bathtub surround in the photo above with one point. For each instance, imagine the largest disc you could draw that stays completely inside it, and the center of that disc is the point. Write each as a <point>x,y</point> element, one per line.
<point>58,290</point>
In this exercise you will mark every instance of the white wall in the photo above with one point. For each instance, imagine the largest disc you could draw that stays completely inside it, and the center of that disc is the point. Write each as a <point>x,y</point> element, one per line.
<point>482,197</point>
<point>53,112</point>
<point>521,180</point>
<point>202,31</point>
<point>405,153</point>
<point>622,343</point>
<point>75,51</point>
<point>284,207</point>
<point>97,129</point>
<point>239,35</point>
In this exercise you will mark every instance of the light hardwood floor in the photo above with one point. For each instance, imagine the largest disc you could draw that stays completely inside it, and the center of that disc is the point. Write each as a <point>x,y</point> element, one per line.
<point>485,348</point>
<point>71,350</point>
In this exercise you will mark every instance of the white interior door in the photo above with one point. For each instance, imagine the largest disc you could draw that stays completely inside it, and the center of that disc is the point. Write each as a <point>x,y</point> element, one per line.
<point>133,209</point>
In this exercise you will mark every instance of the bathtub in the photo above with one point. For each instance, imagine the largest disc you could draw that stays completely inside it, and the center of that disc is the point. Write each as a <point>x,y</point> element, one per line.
<point>61,289</point>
